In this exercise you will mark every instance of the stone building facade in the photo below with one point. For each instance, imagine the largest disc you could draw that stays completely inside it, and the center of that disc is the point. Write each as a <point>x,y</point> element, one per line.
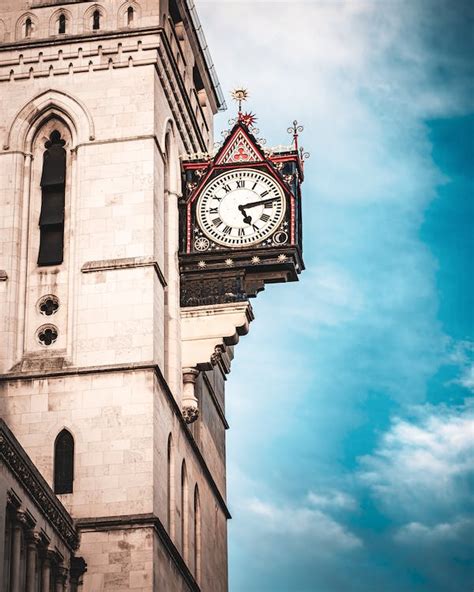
<point>101,370</point>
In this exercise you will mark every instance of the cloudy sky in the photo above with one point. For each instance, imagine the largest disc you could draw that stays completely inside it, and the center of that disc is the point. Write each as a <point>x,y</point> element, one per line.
<point>350,452</point>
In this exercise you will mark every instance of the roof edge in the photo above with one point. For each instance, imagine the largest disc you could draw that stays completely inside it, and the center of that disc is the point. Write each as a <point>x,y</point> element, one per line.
<point>196,23</point>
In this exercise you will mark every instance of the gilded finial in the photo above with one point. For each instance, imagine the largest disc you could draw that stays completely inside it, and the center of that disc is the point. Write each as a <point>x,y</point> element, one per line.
<point>239,95</point>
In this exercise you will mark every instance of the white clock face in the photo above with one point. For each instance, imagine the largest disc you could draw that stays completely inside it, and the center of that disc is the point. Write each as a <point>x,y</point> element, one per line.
<point>240,208</point>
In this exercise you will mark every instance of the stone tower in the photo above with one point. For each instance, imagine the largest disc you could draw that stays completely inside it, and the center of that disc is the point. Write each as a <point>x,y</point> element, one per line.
<point>101,371</point>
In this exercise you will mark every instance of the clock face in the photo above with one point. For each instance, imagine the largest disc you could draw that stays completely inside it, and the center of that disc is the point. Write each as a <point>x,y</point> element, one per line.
<point>240,208</point>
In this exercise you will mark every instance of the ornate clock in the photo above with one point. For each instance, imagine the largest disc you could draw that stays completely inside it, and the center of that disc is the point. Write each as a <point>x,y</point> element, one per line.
<point>240,218</point>
<point>240,208</point>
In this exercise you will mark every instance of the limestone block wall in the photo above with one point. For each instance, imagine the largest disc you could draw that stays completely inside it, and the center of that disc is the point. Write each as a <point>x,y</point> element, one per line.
<point>110,416</point>
<point>204,528</point>
<point>118,559</point>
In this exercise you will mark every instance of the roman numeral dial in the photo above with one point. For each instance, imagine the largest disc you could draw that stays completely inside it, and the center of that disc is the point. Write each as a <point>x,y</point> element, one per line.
<point>240,208</point>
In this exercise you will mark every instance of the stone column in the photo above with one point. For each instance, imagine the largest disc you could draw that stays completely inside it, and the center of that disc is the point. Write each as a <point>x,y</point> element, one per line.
<point>190,408</point>
<point>33,540</point>
<point>46,571</point>
<point>61,578</point>
<point>78,569</point>
<point>16,552</point>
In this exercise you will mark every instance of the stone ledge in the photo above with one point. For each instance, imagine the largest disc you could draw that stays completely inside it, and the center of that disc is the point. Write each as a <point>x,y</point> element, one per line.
<point>207,331</point>
<point>125,263</point>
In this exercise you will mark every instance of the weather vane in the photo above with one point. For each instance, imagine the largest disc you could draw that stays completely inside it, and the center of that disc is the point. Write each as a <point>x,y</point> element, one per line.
<point>239,95</point>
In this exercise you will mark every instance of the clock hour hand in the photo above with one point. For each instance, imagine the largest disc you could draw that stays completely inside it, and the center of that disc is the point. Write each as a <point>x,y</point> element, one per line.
<point>252,204</point>
<point>247,218</point>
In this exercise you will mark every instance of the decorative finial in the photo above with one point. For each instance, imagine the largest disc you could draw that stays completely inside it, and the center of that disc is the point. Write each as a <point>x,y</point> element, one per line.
<point>296,129</point>
<point>247,118</point>
<point>303,155</point>
<point>239,95</point>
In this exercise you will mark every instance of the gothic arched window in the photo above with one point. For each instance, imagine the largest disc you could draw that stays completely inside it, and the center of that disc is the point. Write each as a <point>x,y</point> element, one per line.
<point>53,181</point>
<point>96,20</point>
<point>170,487</point>
<point>130,16</point>
<point>28,27</point>
<point>63,462</point>
<point>197,534</point>
<point>184,511</point>
<point>62,24</point>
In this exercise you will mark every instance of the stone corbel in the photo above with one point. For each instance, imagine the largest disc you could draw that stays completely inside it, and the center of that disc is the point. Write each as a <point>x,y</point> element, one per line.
<point>190,405</point>
<point>208,331</point>
<point>77,570</point>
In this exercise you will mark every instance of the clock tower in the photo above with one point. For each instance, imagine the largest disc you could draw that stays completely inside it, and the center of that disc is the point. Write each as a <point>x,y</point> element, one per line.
<point>128,253</point>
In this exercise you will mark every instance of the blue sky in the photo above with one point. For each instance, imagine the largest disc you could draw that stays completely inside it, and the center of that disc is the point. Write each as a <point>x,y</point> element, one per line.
<point>350,453</point>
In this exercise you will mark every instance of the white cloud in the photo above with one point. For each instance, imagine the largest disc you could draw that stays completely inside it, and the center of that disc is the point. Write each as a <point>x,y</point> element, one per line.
<point>334,499</point>
<point>310,527</point>
<point>422,466</point>
<point>462,355</point>
<point>421,534</point>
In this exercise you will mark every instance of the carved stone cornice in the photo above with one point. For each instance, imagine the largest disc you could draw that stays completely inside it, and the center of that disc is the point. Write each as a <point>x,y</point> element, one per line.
<point>23,469</point>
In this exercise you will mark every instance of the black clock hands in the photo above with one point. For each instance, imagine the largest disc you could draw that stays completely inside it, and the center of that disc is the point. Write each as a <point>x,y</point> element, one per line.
<point>247,218</point>
<point>253,204</point>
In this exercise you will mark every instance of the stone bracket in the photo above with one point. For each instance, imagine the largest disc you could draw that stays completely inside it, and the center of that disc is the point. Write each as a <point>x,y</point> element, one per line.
<point>207,331</point>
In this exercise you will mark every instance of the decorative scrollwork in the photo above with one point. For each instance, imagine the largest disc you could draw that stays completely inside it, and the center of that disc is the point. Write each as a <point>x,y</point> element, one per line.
<point>304,155</point>
<point>295,129</point>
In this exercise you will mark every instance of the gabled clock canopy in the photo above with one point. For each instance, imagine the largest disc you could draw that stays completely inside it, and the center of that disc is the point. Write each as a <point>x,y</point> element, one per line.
<point>240,218</point>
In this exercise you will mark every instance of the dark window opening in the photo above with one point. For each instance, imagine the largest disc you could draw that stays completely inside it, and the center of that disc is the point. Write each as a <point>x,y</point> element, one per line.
<point>48,335</point>
<point>28,27</point>
<point>197,80</point>
<point>53,180</point>
<point>62,24</point>
<point>129,16</point>
<point>96,20</point>
<point>49,305</point>
<point>174,12</point>
<point>63,462</point>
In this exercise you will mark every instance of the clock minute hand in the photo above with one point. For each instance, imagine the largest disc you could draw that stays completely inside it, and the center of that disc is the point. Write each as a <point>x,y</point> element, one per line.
<point>252,204</point>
